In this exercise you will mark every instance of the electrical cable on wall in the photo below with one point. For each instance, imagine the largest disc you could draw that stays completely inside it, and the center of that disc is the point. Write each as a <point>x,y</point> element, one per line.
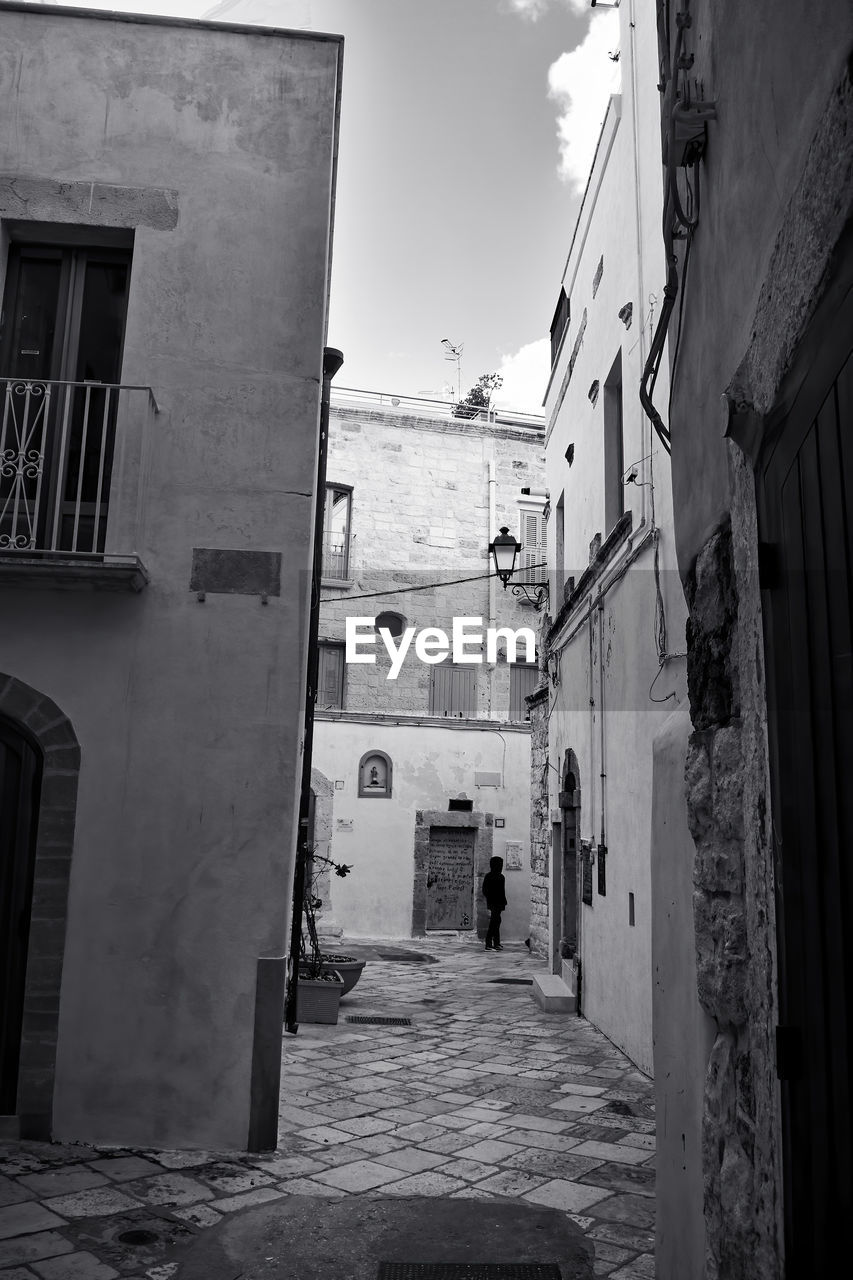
<point>429,586</point>
<point>685,124</point>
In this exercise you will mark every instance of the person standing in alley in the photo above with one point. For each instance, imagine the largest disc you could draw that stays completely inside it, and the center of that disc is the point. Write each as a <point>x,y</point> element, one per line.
<point>494,891</point>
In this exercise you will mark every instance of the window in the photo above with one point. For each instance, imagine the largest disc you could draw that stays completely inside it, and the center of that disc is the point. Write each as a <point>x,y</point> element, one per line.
<point>374,776</point>
<point>559,324</point>
<point>330,678</point>
<point>393,622</point>
<point>614,458</point>
<point>336,532</point>
<point>453,691</point>
<point>523,679</point>
<point>532,539</point>
<point>61,352</point>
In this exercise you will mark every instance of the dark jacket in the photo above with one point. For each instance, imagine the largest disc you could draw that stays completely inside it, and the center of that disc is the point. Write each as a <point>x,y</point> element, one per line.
<point>494,890</point>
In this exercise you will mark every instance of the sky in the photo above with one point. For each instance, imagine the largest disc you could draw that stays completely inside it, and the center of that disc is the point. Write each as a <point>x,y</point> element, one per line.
<point>467,131</point>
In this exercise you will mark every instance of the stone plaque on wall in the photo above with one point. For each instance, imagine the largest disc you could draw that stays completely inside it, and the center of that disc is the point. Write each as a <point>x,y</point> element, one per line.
<point>245,573</point>
<point>450,878</point>
<point>512,855</point>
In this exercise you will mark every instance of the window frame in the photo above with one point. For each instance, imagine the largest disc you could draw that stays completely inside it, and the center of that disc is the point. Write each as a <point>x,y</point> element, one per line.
<point>560,323</point>
<point>613,434</point>
<point>343,578</point>
<point>325,646</point>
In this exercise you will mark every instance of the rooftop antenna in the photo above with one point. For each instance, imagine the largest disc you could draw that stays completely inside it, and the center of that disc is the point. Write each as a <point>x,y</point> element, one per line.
<point>453,351</point>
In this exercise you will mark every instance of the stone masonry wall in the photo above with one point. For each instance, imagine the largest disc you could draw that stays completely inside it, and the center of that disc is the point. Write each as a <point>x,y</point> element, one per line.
<point>420,515</point>
<point>727,773</point>
<point>540,827</point>
<point>728,800</point>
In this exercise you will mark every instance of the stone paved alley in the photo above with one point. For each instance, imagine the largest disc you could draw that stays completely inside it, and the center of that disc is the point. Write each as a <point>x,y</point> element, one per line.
<point>482,1096</point>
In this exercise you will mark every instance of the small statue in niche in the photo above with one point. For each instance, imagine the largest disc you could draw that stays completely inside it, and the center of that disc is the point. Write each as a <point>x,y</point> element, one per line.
<point>374,777</point>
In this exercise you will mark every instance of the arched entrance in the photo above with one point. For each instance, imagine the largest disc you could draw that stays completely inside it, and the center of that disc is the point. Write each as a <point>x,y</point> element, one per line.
<point>20,789</point>
<point>39,768</point>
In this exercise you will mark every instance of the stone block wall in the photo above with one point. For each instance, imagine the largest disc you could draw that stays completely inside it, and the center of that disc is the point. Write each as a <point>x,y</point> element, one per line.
<point>420,515</point>
<point>540,827</point>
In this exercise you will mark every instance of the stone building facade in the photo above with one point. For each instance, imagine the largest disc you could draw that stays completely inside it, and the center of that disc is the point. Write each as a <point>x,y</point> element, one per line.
<point>760,427</point>
<point>418,495</point>
<point>165,239</point>
<point>614,644</point>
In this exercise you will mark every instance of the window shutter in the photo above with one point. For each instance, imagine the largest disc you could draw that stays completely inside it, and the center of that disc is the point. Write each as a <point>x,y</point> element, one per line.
<point>453,691</point>
<point>523,678</point>
<point>330,685</point>
<point>532,546</point>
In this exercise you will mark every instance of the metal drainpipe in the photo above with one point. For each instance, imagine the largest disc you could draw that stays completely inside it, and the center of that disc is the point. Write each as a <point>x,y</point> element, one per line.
<point>601,706</point>
<point>591,617</point>
<point>641,289</point>
<point>332,361</point>
<point>492,582</point>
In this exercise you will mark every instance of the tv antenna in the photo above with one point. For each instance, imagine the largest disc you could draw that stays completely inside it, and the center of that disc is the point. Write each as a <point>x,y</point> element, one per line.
<point>453,351</point>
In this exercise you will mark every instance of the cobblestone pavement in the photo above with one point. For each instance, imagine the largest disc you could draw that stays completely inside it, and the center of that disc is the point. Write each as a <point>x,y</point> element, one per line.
<point>483,1095</point>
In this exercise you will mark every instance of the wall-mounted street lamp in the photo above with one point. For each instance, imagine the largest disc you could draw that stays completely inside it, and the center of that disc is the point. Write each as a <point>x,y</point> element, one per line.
<point>504,552</point>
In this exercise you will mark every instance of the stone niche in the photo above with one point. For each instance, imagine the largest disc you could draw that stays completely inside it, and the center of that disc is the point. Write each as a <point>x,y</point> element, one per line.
<point>483,826</point>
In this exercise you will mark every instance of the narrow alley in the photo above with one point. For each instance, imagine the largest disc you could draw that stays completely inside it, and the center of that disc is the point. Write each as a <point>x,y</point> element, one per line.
<point>482,1096</point>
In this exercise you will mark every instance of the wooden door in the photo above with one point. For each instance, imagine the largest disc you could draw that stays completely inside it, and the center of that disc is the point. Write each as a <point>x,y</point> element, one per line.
<point>805,503</point>
<point>450,878</point>
<point>20,783</point>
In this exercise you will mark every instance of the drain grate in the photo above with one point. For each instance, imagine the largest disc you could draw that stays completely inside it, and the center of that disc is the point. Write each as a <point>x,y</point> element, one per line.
<point>514,982</point>
<point>138,1236</point>
<point>407,957</point>
<point>370,1020</point>
<point>468,1271</point>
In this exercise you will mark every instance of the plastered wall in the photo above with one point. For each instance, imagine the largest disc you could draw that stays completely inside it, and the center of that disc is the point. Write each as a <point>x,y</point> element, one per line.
<point>216,148</point>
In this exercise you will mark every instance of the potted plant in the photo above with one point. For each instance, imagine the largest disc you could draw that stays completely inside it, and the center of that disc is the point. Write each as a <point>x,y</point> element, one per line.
<point>349,967</point>
<point>321,984</point>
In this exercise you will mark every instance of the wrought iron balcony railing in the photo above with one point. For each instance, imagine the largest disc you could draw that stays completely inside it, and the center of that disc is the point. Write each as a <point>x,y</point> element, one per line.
<point>72,466</point>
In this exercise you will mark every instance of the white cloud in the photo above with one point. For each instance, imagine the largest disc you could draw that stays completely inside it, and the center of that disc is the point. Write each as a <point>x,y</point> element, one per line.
<point>525,376</point>
<point>581,82</point>
<point>534,9</point>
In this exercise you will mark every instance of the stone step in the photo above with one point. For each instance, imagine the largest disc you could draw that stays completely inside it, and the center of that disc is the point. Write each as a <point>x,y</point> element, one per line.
<point>552,994</point>
<point>10,1128</point>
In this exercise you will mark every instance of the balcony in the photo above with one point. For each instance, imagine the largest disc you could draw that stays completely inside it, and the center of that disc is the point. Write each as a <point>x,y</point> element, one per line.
<point>73,461</point>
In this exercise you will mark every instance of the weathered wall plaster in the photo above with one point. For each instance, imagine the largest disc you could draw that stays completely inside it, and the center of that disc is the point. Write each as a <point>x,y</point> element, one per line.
<point>187,714</point>
<point>610,689</point>
<point>432,763</point>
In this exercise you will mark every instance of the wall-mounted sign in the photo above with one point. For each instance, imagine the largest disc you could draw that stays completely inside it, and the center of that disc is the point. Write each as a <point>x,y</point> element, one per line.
<point>499,822</point>
<point>512,855</point>
<point>339,784</point>
<point>343,824</point>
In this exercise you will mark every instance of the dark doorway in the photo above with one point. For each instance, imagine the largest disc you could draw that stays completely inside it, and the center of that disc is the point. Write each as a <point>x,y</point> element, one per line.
<point>570,807</point>
<point>805,505</point>
<point>61,349</point>
<point>20,787</point>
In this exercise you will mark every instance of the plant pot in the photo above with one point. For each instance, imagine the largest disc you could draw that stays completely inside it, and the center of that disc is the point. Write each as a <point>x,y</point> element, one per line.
<point>317,999</point>
<point>348,967</point>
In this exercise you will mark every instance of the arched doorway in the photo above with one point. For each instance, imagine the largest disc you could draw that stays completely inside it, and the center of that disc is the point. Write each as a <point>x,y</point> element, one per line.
<point>39,769</point>
<point>21,764</point>
<point>566,897</point>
